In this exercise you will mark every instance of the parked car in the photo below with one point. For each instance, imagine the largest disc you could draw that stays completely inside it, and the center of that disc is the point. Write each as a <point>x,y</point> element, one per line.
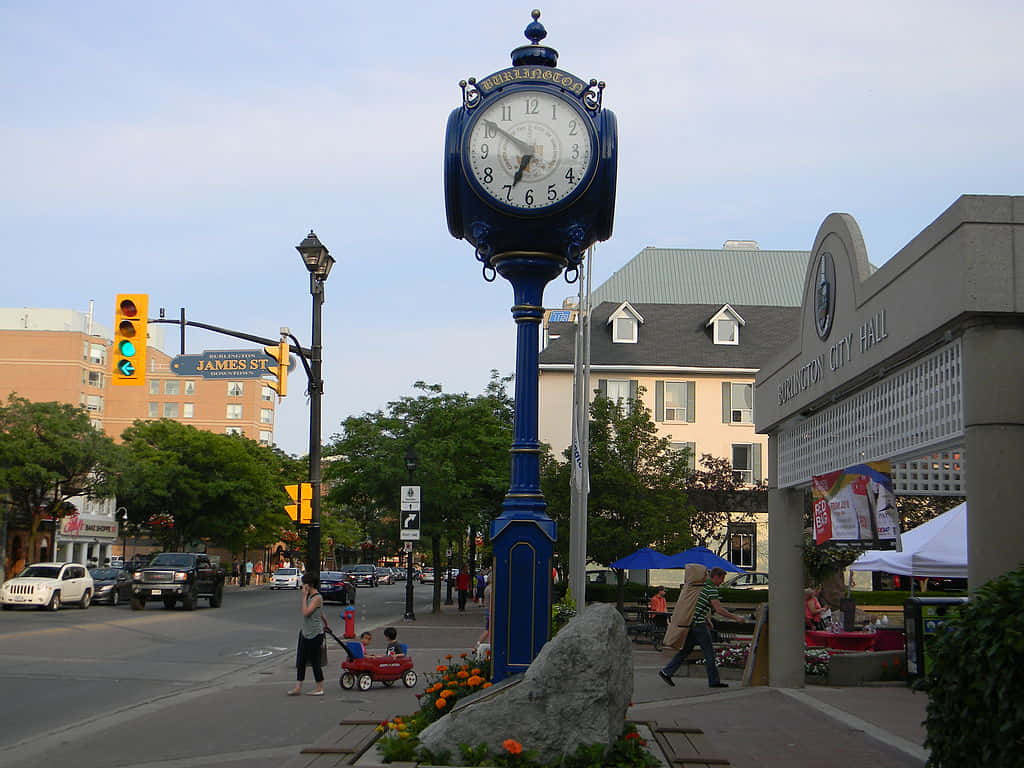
<point>48,585</point>
<point>286,578</point>
<point>753,580</point>
<point>364,575</point>
<point>385,576</point>
<point>336,587</point>
<point>427,576</point>
<point>398,574</point>
<point>111,585</point>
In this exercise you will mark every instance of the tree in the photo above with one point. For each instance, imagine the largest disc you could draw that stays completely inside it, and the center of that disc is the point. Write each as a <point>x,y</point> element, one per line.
<point>461,443</point>
<point>188,484</point>
<point>637,482</point>
<point>49,454</point>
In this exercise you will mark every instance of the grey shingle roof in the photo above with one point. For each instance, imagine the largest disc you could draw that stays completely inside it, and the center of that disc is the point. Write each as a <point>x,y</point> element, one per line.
<point>696,276</point>
<point>675,334</point>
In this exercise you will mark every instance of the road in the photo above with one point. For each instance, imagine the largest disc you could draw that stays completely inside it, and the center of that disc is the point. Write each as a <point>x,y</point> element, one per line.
<point>110,686</point>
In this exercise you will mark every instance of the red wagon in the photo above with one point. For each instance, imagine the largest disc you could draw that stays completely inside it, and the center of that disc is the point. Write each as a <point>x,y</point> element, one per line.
<point>364,671</point>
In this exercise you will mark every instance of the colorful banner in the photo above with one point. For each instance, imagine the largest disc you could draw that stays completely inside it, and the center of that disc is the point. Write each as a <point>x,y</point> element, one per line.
<point>856,505</point>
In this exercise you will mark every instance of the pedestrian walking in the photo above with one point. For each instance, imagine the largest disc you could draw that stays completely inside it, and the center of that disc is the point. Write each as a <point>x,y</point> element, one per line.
<point>248,572</point>
<point>481,582</point>
<point>691,622</point>
<point>258,570</point>
<point>462,584</point>
<point>234,571</point>
<point>311,649</point>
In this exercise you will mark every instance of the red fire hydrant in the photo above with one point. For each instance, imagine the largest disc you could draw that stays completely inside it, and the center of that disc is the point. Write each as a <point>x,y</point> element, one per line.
<point>349,617</point>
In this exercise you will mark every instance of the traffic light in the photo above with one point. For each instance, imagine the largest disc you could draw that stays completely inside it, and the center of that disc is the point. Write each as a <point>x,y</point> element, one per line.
<point>280,371</point>
<point>302,510</point>
<point>130,331</point>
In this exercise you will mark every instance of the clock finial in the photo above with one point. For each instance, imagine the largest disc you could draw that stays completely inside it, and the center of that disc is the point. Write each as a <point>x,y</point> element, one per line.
<point>535,54</point>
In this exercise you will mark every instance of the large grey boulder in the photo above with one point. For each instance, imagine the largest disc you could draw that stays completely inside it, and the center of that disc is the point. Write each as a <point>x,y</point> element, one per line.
<point>575,692</point>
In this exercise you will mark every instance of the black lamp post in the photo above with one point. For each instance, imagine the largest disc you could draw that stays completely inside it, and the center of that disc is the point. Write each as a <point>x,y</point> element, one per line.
<point>318,261</point>
<point>123,513</point>
<point>410,615</point>
<point>448,577</point>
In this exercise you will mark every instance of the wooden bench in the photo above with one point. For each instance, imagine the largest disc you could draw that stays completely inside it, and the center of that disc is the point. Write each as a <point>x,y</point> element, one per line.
<point>342,745</point>
<point>684,746</point>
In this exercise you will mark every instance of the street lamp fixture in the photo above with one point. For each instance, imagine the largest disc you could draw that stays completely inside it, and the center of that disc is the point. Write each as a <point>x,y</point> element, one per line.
<point>318,261</point>
<point>410,466</point>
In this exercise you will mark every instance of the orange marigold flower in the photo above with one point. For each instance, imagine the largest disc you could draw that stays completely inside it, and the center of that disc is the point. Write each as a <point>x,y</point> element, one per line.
<point>474,681</point>
<point>449,656</point>
<point>463,655</point>
<point>463,674</point>
<point>512,746</point>
<point>441,703</point>
<point>487,685</point>
<point>632,735</point>
<point>447,693</point>
<point>476,671</point>
<point>442,668</point>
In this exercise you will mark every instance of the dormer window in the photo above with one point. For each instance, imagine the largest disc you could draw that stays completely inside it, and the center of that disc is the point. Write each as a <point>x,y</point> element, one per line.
<point>725,325</point>
<point>625,322</point>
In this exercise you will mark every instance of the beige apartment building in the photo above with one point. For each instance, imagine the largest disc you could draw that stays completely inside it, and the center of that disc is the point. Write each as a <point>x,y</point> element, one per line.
<point>686,331</point>
<point>64,356</point>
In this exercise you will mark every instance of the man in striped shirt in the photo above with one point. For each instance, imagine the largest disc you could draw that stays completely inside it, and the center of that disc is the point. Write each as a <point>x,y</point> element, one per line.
<point>700,631</point>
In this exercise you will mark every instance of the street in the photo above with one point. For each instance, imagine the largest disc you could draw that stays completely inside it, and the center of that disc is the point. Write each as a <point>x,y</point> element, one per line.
<point>110,686</point>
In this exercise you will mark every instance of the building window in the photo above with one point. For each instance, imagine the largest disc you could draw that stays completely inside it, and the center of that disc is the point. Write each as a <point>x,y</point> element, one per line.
<point>234,411</point>
<point>95,379</point>
<point>624,330</point>
<point>675,401</point>
<point>190,387</point>
<point>235,389</point>
<point>727,331</point>
<point>743,462</point>
<point>266,437</point>
<point>97,354</point>
<point>85,350</point>
<point>154,410</point>
<point>691,459</point>
<point>96,424</point>
<point>268,394</point>
<point>154,387</point>
<point>171,387</point>
<point>94,403</point>
<point>743,544</point>
<point>741,406</point>
<point>188,410</point>
<point>170,410</point>
<point>233,431</point>
<point>266,416</point>
<point>618,391</point>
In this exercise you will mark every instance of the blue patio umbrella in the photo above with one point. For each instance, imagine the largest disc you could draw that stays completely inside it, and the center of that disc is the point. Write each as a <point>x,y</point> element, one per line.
<point>702,556</point>
<point>644,558</point>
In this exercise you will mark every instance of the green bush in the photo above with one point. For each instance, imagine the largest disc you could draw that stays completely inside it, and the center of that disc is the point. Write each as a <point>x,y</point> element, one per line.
<point>974,687</point>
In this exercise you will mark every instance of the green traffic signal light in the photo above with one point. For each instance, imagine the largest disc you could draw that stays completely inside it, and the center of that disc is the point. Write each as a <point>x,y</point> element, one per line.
<point>126,348</point>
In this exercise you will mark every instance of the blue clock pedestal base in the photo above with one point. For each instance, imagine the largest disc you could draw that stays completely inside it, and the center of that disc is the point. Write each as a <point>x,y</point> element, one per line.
<point>523,535</point>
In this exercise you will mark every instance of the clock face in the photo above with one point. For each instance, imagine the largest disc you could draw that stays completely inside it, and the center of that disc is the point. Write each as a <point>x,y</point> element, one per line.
<point>530,150</point>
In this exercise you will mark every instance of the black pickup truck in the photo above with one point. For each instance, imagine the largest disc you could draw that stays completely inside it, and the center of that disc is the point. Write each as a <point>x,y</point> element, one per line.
<point>178,576</point>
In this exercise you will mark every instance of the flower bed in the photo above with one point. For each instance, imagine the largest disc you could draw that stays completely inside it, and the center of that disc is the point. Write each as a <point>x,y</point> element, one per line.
<point>454,680</point>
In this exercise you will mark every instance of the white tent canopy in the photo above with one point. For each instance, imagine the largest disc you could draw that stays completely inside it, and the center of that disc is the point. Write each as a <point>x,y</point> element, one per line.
<point>935,549</point>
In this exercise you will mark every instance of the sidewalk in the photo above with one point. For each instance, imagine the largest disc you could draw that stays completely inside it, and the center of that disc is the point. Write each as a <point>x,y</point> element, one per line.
<point>812,727</point>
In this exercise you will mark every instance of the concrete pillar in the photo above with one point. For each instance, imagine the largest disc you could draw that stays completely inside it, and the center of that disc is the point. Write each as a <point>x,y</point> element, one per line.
<point>785,600</point>
<point>993,369</point>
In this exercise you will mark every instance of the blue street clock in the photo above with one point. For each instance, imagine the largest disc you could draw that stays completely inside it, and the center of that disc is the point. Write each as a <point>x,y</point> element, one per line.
<point>530,158</point>
<point>529,181</point>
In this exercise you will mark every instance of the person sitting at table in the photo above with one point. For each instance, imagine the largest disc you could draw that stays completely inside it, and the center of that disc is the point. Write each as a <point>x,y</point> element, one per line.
<point>813,610</point>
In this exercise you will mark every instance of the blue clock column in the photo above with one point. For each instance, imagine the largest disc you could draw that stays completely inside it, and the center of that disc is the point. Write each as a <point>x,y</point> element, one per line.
<point>523,535</point>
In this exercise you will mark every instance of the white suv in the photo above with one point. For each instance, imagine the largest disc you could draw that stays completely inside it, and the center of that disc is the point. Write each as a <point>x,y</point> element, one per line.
<point>48,585</point>
<point>286,578</point>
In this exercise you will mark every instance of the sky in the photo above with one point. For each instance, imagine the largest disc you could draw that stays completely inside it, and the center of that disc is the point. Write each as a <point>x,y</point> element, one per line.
<point>184,149</point>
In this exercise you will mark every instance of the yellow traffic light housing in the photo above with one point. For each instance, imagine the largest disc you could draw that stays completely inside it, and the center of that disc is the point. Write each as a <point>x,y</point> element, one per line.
<point>130,333</point>
<point>302,510</point>
<point>279,371</point>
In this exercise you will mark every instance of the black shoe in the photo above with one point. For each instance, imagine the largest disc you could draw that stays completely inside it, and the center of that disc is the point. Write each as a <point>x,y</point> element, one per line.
<point>718,685</point>
<point>666,678</point>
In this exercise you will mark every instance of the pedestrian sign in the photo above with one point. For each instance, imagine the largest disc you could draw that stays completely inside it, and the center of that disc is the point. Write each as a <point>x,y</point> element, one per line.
<point>409,516</point>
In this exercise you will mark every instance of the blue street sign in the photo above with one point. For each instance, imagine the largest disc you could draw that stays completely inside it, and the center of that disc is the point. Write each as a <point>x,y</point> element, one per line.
<point>226,364</point>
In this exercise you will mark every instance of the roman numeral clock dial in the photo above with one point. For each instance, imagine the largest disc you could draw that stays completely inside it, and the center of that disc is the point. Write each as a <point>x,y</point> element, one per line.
<point>530,151</point>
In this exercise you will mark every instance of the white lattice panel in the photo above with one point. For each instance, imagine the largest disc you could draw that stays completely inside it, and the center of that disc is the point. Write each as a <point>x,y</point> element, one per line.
<point>915,410</point>
<point>940,474</point>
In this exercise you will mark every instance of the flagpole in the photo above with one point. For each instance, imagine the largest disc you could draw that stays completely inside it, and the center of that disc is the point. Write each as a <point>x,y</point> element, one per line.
<point>580,475</point>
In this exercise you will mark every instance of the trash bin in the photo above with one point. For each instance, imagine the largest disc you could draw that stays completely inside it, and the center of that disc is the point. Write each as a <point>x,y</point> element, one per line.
<point>922,619</point>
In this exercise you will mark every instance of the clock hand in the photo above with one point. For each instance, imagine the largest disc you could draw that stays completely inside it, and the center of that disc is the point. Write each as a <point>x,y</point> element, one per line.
<point>520,144</point>
<point>522,167</point>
